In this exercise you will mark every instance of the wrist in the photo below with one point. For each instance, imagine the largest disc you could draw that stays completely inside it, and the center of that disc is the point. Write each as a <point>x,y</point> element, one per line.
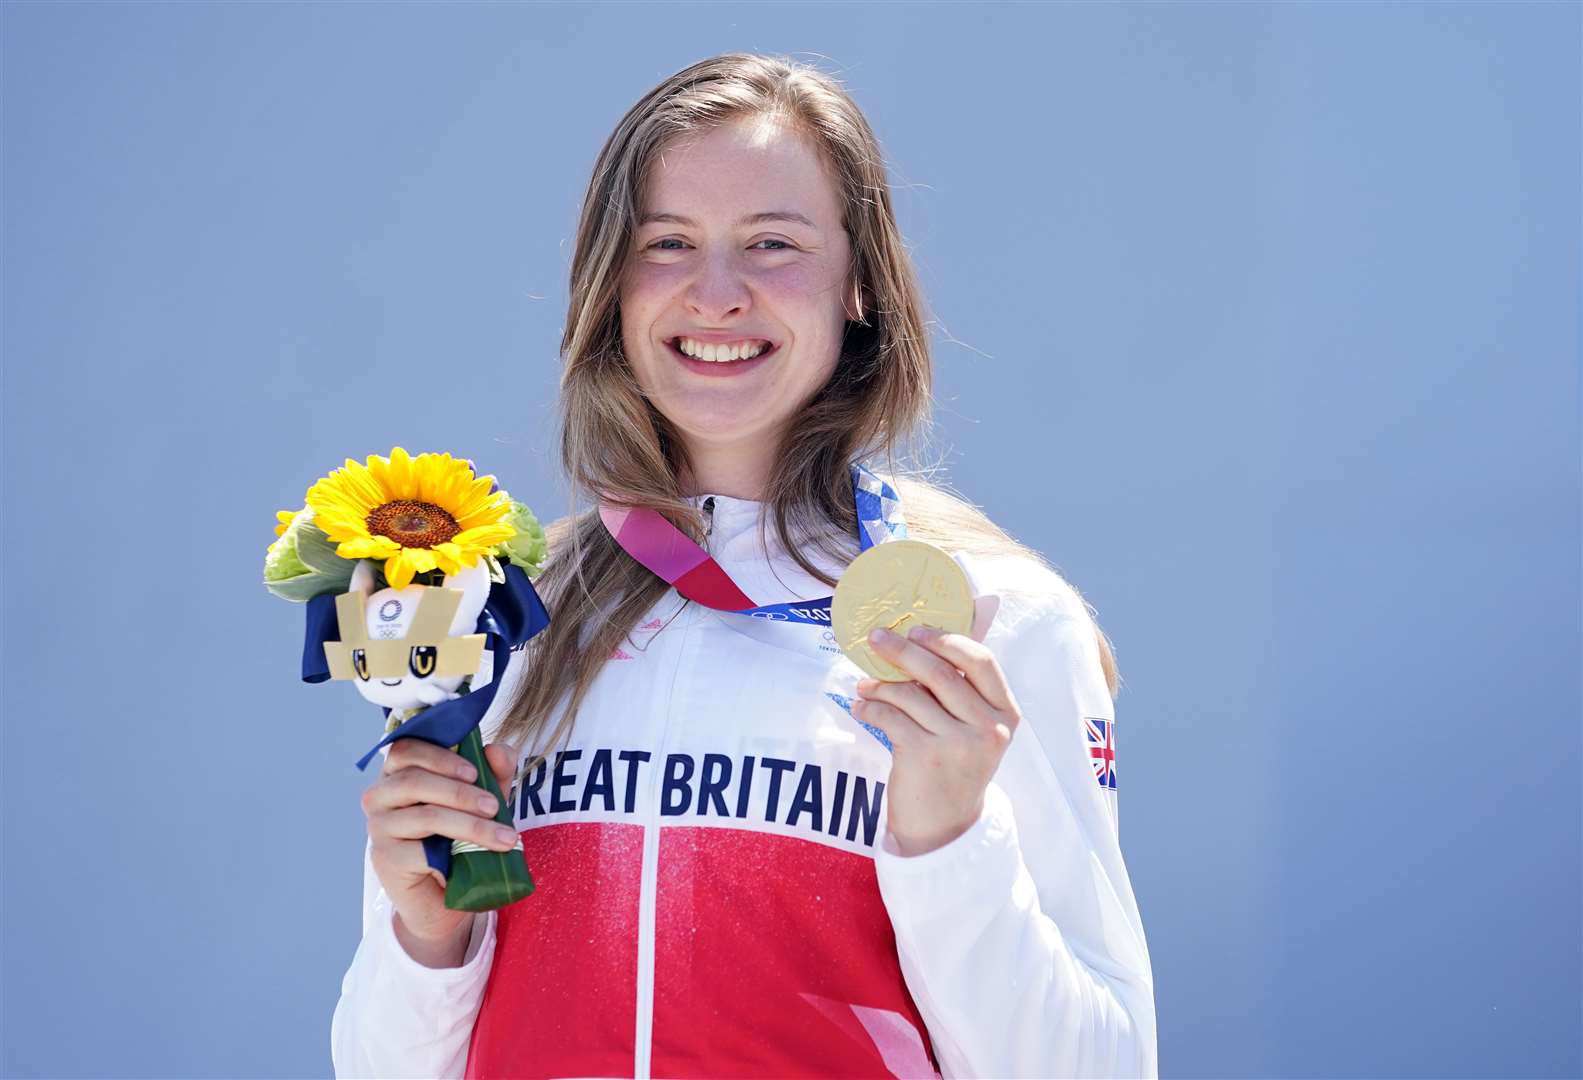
<point>912,844</point>
<point>439,947</point>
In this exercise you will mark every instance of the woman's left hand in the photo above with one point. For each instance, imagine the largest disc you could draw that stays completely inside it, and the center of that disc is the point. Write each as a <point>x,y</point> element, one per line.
<point>948,728</point>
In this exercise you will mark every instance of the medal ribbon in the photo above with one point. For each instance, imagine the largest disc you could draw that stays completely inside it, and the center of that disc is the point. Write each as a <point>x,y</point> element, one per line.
<point>672,555</point>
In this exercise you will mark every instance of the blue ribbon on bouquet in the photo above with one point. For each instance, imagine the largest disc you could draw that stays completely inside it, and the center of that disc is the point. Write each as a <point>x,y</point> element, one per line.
<point>511,616</point>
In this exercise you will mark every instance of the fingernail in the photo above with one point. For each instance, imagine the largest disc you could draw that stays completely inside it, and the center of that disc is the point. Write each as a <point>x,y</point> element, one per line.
<point>506,836</point>
<point>466,772</point>
<point>489,805</point>
<point>921,633</point>
<point>879,635</point>
<point>865,685</point>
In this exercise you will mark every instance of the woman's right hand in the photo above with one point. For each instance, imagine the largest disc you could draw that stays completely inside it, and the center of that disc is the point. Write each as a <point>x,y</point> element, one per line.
<point>425,789</point>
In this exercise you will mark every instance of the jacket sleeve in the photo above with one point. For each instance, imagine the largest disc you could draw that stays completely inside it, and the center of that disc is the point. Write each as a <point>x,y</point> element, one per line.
<point>395,1017</point>
<point>1020,940</point>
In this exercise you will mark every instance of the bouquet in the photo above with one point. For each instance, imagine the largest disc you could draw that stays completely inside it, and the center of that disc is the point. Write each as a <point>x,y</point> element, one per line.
<point>416,577</point>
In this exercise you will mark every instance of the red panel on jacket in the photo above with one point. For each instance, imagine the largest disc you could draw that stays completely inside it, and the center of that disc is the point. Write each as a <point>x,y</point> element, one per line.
<point>562,994</point>
<point>774,956</point>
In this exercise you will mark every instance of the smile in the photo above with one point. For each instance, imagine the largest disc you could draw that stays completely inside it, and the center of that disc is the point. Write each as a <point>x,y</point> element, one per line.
<point>719,366</point>
<point>724,351</point>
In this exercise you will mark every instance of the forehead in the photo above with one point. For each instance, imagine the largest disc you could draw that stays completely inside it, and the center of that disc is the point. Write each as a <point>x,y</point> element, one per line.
<point>741,167</point>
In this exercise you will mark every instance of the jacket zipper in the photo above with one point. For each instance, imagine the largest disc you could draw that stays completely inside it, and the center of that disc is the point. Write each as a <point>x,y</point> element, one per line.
<point>648,877</point>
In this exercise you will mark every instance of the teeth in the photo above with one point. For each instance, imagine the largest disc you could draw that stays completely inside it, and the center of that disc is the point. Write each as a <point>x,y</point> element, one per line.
<point>719,354</point>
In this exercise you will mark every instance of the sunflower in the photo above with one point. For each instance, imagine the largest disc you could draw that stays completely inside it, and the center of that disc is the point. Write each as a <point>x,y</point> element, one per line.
<point>417,514</point>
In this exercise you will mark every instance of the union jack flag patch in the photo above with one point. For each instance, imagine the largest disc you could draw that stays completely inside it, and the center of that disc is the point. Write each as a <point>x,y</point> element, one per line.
<point>1102,749</point>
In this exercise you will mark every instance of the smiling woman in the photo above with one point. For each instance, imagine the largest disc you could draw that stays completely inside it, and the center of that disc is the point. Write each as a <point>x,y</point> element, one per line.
<point>750,860</point>
<point>715,272</point>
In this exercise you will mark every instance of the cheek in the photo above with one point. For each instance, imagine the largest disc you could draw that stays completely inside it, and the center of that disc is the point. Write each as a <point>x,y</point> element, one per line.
<point>806,299</point>
<point>803,284</point>
<point>642,295</point>
<point>648,282</point>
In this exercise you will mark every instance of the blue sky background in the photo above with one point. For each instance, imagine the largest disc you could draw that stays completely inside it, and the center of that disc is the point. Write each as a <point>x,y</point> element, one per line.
<point>1260,320</point>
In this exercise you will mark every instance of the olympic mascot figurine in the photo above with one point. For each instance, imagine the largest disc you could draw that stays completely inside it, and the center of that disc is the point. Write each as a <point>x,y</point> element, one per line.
<point>415,574</point>
<point>415,646</point>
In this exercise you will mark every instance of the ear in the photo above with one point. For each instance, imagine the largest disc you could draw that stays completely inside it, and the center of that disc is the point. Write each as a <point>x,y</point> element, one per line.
<point>853,301</point>
<point>473,581</point>
<point>362,578</point>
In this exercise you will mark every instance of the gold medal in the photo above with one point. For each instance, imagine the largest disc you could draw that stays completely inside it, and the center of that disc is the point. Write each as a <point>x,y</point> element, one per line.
<point>898,585</point>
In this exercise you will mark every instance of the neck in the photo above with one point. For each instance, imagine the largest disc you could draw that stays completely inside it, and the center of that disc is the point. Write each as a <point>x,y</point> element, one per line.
<point>727,470</point>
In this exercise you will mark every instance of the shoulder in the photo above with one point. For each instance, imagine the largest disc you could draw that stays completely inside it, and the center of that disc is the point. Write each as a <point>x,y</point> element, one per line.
<point>1024,582</point>
<point>993,559</point>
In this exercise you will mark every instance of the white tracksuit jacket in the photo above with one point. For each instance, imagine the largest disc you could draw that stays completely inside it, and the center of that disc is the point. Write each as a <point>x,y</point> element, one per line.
<point>717,894</point>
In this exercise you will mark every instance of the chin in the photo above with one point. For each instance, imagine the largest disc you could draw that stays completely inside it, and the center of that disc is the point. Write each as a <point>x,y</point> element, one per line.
<point>727,413</point>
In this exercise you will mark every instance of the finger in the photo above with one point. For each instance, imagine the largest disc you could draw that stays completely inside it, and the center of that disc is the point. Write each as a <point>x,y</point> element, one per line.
<point>973,659</point>
<point>427,819</point>
<point>957,695</point>
<point>407,857</point>
<point>410,787</point>
<point>984,611</point>
<point>898,727</point>
<point>408,751</point>
<point>910,698</point>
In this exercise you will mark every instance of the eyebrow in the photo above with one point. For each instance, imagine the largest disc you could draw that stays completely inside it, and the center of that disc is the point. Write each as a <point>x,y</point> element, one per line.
<point>752,219</point>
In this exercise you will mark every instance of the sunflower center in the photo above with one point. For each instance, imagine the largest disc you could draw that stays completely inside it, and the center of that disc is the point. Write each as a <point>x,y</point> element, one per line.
<point>412,524</point>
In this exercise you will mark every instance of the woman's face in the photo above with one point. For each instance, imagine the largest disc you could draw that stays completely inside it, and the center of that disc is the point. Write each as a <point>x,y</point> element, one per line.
<point>739,242</point>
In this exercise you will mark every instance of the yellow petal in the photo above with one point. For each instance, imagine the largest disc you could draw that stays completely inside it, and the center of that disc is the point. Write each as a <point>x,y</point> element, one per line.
<point>368,547</point>
<point>379,469</point>
<point>484,536</point>
<point>448,557</point>
<point>362,487</point>
<point>477,495</point>
<point>353,483</point>
<point>399,571</point>
<point>338,524</point>
<point>353,490</point>
<point>487,514</point>
<point>399,474</point>
<point>436,480</point>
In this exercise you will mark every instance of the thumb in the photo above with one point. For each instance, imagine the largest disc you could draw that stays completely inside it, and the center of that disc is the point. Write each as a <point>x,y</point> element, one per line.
<point>502,758</point>
<point>985,609</point>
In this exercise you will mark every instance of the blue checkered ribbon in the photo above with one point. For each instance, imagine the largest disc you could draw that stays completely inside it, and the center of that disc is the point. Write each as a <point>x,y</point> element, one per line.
<point>878,508</point>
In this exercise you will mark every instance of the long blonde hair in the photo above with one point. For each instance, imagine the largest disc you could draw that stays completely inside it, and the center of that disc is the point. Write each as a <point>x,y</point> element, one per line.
<point>613,440</point>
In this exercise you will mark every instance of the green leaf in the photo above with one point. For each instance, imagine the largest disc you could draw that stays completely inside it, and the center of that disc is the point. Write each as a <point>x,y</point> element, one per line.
<point>315,549</point>
<point>301,589</point>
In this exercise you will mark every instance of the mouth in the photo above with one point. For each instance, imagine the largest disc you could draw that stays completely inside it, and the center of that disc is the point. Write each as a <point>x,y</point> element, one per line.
<point>720,367</point>
<point>387,682</point>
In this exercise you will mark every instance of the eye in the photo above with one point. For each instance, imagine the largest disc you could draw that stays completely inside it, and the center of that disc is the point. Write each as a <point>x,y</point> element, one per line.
<point>360,664</point>
<point>785,244</point>
<point>422,662</point>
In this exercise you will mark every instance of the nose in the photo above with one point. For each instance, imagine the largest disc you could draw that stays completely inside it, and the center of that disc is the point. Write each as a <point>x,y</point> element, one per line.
<point>718,291</point>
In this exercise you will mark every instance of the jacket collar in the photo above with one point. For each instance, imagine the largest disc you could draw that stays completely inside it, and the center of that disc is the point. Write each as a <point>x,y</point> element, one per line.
<point>767,567</point>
